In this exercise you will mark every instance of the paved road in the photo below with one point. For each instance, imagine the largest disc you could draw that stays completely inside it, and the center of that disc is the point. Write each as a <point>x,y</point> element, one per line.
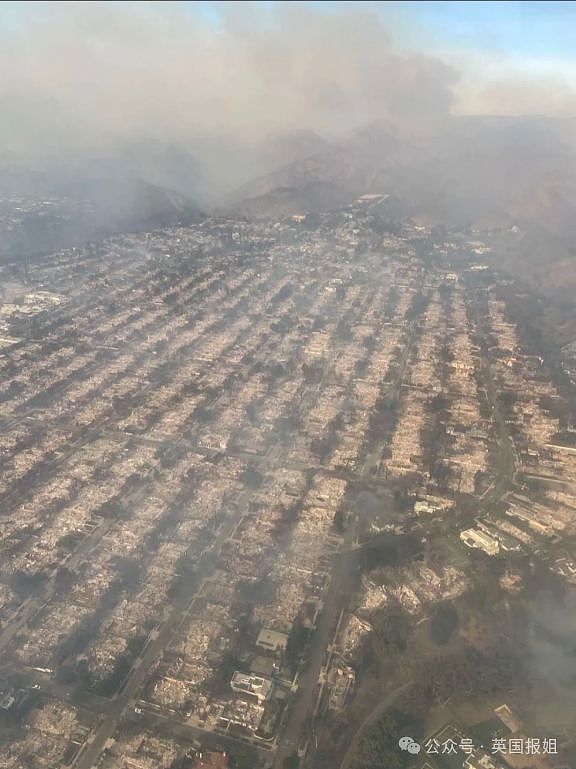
<point>32,605</point>
<point>153,651</point>
<point>175,725</point>
<point>376,713</point>
<point>46,591</point>
<point>302,706</point>
<point>506,460</point>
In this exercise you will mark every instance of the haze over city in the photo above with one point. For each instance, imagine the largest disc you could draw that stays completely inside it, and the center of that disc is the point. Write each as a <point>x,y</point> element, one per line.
<point>287,385</point>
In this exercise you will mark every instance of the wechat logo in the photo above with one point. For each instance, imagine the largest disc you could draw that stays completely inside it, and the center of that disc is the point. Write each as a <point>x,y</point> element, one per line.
<point>407,743</point>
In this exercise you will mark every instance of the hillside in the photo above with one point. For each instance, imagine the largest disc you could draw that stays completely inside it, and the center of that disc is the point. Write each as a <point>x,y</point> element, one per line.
<point>487,172</point>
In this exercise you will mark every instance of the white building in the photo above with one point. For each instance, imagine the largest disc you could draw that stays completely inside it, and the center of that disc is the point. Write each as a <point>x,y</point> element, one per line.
<point>253,687</point>
<point>480,540</point>
<point>271,640</point>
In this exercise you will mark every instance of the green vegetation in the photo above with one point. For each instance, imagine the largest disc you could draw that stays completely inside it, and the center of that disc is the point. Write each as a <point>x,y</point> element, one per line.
<point>251,478</point>
<point>244,757</point>
<point>108,686</point>
<point>379,745</point>
<point>291,762</point>
<point>443,623</point>
<point>64,580</point>
<point>471,672</point>
<point>297,640</point>
<point>394,550</point>
<point>339,521</point>
<point>392,627</point>
<point>24,585</point>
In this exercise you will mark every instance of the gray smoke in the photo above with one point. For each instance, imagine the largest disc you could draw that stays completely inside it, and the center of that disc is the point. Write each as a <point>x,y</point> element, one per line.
<point>202,98</point>
<point>94,73</point>
<point>552,644</point>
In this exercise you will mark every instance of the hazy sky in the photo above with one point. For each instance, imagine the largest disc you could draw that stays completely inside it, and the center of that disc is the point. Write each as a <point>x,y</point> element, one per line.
<point>513,57</point>
<point>86,75</point>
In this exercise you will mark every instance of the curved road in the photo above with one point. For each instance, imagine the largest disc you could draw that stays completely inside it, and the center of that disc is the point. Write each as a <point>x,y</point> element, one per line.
<point>374,715</point>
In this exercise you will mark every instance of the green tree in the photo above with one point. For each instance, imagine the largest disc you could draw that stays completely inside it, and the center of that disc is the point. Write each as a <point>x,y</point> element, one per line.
<point>291,762</point>
<point>393,627</point>
<point>444,622</point>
